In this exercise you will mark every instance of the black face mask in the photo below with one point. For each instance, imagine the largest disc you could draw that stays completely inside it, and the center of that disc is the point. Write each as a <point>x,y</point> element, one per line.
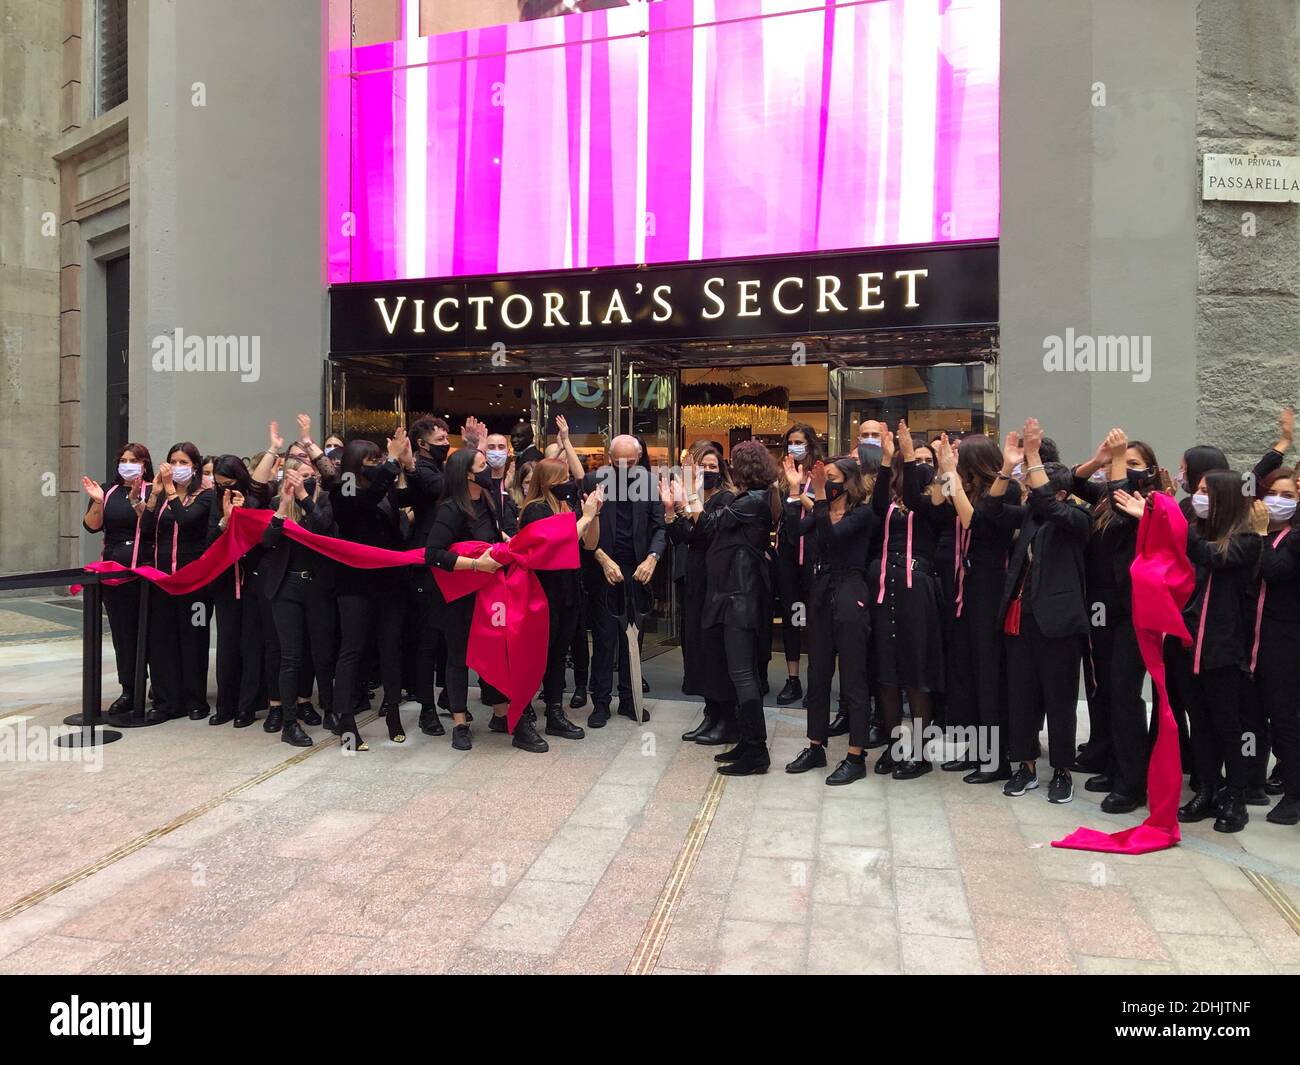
<point>438,452</point>
<point>834,489</point>
<point>566,493</point>
<point>1139,480</point>
<point>309,485</point>
<point>484,480</point>
<point>711,479</point>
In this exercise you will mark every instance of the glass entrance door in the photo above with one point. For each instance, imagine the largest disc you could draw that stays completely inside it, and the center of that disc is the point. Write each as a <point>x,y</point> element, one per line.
<point>365,404</point>
<point>953,398</point>
<point>584,401</point>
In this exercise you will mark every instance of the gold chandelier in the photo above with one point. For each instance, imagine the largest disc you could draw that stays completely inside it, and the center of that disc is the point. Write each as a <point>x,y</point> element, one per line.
<point>762,420</point>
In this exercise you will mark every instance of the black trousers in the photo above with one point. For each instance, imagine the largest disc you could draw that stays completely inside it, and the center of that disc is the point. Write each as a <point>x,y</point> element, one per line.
<point>1213,699</point>
<point>610,635</point>
<point>579,647</point>
<point>739,645</point>
<point>977,687</point>
<point>1174,669</point>
<point>1118,702</point>
<point>838,622</point>
<point>378,610</point>
<point>178,650</point>
<point>303,615</point>
<point>269,681</point>
<point>456,621</point>
<point>1043,681</point>
<point>122,605</point>
<point>429,644</point>
<point>792,585</point>
<point>564,623</point>
<point>1273,705</point>
<point>240,646</point>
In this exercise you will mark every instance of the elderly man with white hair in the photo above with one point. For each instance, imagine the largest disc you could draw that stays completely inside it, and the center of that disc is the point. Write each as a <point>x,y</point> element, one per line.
<point>632,540</point>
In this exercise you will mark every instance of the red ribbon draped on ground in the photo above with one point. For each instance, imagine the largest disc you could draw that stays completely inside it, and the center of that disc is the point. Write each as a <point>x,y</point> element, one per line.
<point>1163,580</point>
<point>508,639</point>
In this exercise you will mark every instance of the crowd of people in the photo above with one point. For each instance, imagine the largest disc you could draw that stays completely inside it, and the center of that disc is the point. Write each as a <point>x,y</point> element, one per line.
<point>957,587</point>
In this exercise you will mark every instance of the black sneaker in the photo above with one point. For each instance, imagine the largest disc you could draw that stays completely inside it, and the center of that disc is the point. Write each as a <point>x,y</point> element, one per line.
<point>811,757</point>
<point>598,718</point>
<point>460,740</point>
<point>1022,780</point>
<point>792,692</point>
<point>847,772</point>
<point>1061,790</point>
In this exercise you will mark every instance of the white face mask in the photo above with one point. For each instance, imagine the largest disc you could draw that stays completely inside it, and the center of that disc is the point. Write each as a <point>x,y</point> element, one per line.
<point>182,475</point>
<point>798,451</point>
<point>870,441</point>
<point>497,457</point>
<point>1201,505</point>
<point>1098,477</point>
<point>129,471</point>
<point>1280,508</point>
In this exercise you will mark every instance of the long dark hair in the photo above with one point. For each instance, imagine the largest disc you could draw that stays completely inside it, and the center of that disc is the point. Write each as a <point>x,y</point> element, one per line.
<point>355,455</point>
<point>191,452</point>
<point>142,456</point>
<point>1229,509</point>
<point>700,448</point>
<point>232,466</point>
<point>455,480</point>
<point>1200,460</point>
<point>814,453</point>
<point>1102,512</point>
<point>855,491</point>
<point>979,461</point>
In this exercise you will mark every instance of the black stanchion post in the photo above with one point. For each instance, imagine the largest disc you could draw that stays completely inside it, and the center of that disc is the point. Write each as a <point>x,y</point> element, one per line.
<point>92,674</point>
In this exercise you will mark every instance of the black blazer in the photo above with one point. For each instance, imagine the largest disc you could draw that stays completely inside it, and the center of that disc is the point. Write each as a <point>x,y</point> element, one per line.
<point>318,517</point>
<point>649,534</point>
<point>1225,637</point>
<point>424,489</point>
<point>1054,591</point>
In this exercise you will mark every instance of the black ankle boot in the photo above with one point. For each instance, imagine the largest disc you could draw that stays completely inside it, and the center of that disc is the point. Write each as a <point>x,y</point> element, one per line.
<point>724,731</point>
<point>307,714</point>
<point>1201,806</point>
<point>710,719</point>
<point>731,755</point>
<point>558,724</point>
<point>527,739</point>
<point>791,693</point>
<point>429,723</point>
<point>393,718</point>
<point>293,734</point>
<point>840,726</point>
<point>1232,813</point>
<point>499,723</point>
<point>753,759</point>
<point>274,720</point>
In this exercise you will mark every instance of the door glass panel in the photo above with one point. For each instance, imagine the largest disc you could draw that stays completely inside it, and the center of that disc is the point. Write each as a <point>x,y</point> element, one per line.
<point>584,401</point>
<point>953,399</point>
<point>369,406</point>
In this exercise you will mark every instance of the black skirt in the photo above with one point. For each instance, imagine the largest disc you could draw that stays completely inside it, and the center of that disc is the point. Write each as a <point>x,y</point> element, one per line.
<point>907,626</point>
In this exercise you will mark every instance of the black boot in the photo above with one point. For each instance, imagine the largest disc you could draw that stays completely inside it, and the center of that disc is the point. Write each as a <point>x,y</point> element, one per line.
<point>392,715</point>
<point>710,719</point>
<point>791,693</point>
<point>1202,805</point>
<point>307,714</point>
<point>429,723</point>
<point>731,755</point>
<point>753,760</point>
<point>579,699</point>
<point>724,731</point>
<point>293,734</point>
<point>274,720</point>
<point>1232,813</point>
<point>499,723</point>
<point>558,724</point>
<point>330,722</point>
<point>527,739</point>
<point>877,735</point>
<point>840,726</point>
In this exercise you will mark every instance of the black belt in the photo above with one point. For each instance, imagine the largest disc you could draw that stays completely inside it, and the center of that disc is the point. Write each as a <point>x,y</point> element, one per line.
<point>301,574</point>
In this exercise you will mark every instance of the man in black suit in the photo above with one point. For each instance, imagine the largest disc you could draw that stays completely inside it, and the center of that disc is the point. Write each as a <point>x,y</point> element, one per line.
<point>632,540</point>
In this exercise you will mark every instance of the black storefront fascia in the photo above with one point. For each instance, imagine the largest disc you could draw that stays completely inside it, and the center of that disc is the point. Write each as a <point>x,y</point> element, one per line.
<point>894,289</point>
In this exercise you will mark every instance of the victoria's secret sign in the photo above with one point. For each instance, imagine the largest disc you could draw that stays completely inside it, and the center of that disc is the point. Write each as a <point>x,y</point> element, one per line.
<point>897,289</point>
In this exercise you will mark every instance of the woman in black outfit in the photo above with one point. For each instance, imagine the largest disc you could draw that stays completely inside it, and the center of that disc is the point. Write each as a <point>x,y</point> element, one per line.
<point>839,614</point>
<point>179,511</point>
<point>1223,544</point>
<point>736,596</point>
<point>1273,702</point>
<point>468,512</point>
<point>981,534</point>
<point>117,509</point>
<point>297,582</point>
<point>1120,756</point>
<point>794,554</point>
<point>365,508</point>
<point>907,627</point>
<point>706,475</point>
<point>552,490</point>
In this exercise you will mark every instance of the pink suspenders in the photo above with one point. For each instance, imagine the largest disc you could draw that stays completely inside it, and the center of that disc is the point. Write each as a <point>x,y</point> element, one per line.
<point>135,545</point>
<point>884,551</point>
<point>1259,609</point>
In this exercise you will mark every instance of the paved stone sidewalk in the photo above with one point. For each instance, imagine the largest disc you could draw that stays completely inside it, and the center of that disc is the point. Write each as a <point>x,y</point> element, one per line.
<point>416,858</point>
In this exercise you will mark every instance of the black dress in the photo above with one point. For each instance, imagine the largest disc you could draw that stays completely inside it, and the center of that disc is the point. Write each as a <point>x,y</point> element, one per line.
<point>907,623</point>
<point>693,537</point>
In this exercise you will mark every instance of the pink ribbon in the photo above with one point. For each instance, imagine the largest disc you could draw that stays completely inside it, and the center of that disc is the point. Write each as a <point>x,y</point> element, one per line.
<point>1163,580</point>
<point>884,551</point>
<point>963,546</point>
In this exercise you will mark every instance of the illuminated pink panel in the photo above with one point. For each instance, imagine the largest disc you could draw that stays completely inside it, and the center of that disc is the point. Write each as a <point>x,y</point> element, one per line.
<point>672,131</point>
